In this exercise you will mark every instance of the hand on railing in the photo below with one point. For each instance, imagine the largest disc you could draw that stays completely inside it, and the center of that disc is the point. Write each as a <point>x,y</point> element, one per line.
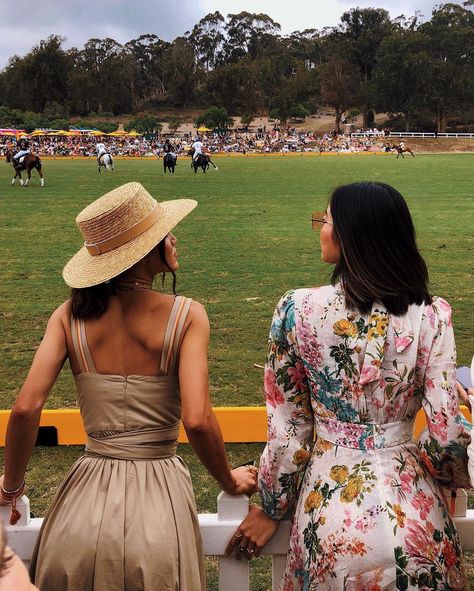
<point>245,481</point>
<point>253,533</point>
<point>464,394</point>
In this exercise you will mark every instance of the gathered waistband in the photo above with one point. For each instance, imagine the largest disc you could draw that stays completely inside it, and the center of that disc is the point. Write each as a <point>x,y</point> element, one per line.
<point>143,444</point>
<point>363,436</point>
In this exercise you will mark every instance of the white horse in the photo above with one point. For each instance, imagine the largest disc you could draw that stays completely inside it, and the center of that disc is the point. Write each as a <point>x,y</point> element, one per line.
<point>107,162</point>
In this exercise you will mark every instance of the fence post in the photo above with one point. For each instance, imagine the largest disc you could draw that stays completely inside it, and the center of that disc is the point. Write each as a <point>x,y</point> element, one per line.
<point>233,574</point>
<point>21,536</point>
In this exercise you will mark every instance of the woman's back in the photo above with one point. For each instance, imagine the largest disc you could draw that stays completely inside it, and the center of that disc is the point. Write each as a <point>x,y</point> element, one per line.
<point>130,479</point>
<point>128,338</point>
<point>368,501</point>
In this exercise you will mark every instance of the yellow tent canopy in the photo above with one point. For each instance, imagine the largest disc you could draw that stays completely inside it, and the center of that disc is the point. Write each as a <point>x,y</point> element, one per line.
<point>117,134</point>
<point>202,129</point>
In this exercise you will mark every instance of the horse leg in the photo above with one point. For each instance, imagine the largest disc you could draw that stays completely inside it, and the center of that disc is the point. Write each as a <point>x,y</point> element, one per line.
<point>28,173</point>
<point>38,168</point>
<point>412,153</point>
<point>21,180</point>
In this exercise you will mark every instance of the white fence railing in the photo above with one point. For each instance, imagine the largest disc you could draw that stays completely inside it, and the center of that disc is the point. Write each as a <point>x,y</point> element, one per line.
<point>413,134</point>
<point>216,531</point>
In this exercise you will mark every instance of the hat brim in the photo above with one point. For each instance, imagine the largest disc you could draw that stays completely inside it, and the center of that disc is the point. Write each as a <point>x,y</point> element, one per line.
<point>86,270</point>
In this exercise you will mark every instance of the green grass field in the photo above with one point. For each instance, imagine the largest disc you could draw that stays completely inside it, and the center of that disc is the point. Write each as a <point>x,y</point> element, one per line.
<point>248,242</point>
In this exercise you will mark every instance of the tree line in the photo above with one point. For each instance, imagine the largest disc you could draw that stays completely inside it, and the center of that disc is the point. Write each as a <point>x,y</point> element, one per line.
<point>421,72</point>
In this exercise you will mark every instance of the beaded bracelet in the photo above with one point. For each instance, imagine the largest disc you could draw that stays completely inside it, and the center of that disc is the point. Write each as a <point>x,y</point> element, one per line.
<point>10,497</point>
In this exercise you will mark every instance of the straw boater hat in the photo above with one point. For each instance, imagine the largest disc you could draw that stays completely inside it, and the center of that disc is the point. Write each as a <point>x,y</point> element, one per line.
<point>119,229</point>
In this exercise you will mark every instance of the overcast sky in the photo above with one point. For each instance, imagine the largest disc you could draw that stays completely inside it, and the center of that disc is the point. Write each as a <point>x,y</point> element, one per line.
<point>22,26</point>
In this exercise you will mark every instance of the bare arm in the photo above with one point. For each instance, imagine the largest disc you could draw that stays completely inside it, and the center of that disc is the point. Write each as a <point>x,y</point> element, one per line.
<point>24,420</point>
<point>199,421</point>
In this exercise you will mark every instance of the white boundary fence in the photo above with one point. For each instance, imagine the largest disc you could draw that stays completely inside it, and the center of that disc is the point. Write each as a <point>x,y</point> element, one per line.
<point>414,134</point>
<point>216,530</point>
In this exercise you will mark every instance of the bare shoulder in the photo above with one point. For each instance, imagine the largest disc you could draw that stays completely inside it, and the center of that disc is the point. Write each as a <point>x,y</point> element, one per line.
<point>62,314</point>
<point>197,313</point>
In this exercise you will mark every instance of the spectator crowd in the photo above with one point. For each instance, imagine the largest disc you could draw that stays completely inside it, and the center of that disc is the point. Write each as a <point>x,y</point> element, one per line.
<point>261,140</point>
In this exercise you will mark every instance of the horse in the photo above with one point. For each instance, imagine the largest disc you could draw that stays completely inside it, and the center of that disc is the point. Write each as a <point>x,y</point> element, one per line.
<point>400,151</point>
<point>28,163</point>
<point>106,161</point>
<point>202,161</point>
<point>169,162</point>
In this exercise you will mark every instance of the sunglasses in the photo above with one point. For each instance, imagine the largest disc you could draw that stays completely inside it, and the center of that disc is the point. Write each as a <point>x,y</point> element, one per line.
<point>317,220</point>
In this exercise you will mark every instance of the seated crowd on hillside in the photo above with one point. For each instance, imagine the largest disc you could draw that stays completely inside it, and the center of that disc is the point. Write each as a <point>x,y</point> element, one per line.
<point>260,140</point>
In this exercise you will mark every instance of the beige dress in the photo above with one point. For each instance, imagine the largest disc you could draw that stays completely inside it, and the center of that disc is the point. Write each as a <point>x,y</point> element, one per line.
<point>125,519</point>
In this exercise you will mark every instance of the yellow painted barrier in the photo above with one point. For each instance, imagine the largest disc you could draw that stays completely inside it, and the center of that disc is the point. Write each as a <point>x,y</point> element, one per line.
<point>242,424</point>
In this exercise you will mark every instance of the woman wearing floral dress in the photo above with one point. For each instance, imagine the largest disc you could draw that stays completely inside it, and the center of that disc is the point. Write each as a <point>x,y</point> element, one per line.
<point>352,363</point>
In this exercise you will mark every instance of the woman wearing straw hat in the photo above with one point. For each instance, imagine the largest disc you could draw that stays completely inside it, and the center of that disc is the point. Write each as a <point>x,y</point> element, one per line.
<point>125,517</point>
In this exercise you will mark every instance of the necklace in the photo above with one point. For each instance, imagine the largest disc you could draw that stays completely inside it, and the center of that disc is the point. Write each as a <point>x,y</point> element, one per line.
<point>134,286</point>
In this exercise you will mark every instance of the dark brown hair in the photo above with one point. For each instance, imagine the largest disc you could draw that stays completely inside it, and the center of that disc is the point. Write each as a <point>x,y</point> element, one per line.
<point>92,302</point>
<point>380,261</point>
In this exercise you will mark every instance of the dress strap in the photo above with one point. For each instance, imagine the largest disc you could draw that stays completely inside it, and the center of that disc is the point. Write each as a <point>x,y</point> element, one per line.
<point>174,328</point>
<point>81,348</point>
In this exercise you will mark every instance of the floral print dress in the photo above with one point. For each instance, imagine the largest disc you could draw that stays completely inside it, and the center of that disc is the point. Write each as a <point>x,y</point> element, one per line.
<point>342,392</point>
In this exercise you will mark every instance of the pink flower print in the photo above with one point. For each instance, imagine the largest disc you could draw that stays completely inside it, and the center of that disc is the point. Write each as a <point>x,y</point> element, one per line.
<point>430,315</point>
<point>347,518</point>
<point>422,502</point>
<point>356,389</point>
<point>429,383</point>
<point>439,424</point>
<point>420,543</point>
<point>273,395</point>
<point>445,310</point>
<point>422,356</point>
<point>369,374</point>
<point>402,343</point>
<point>406,479</point>
<point>298,376</point>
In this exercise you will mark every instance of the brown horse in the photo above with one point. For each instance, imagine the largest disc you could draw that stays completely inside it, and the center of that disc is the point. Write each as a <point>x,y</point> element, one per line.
<point>401,151</point>
<point>30,161</point>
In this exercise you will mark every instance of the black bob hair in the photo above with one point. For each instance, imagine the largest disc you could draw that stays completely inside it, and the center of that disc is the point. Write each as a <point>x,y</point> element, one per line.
<point>92,302</point>
<point>380,261</point>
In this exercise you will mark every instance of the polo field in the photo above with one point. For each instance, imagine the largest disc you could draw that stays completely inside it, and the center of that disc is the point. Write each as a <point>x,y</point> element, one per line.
<point>247,243</point>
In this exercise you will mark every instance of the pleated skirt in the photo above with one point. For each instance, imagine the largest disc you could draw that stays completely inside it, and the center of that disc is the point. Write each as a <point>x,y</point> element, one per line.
<point>121,525</point>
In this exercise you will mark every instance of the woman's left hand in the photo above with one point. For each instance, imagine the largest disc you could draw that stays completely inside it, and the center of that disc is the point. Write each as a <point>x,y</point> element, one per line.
<point>464,394</point>
<point>253,533</point>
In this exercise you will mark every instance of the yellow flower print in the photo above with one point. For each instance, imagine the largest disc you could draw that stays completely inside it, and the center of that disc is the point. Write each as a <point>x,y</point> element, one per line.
<point>352,490</point>
<point>323,445</point>
<point>313,501</point>
<point>300,457</point>
<point>322,520</point>
<point>377,326</point>
<point>339,473</point>
<point>400,515</point>
<point>344,328</point>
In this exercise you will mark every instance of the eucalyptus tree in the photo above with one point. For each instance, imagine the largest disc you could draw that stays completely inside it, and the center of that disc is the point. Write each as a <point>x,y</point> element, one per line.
<point>359,36</point>
<point>40,77</point>
<point>207,39</point>
<point>182,71</point>
<point>448,60</point>
<point>248,34</point>
<point>147,67</point>
<point>399,75</point>
<point>99,76</point>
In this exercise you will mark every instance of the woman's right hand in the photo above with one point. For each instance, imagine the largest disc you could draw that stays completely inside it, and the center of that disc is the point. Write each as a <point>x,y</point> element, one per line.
<point>245,481</point>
